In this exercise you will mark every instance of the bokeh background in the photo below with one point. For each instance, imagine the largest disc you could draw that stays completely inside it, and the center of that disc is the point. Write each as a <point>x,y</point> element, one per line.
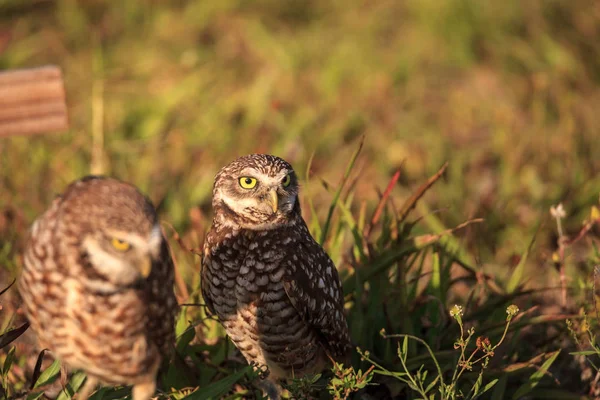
<point>164,93</point>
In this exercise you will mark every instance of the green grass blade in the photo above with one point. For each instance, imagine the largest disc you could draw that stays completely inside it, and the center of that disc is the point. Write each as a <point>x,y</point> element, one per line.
<point>536,377</point>
<point>8,337</point>
<point>219,388</point>
<point>48,375</point>
<point>489,386</point>
<point>72,387</point>
<point>338,192</point>
<point>314,223</point>
<point>8,361</point>
<point>500,388</point>
<point>516,277</point>
<point>555,394</point>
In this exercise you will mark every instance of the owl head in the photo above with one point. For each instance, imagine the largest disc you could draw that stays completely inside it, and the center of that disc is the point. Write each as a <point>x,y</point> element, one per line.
<point>256,191</point>
<point>116,232</point>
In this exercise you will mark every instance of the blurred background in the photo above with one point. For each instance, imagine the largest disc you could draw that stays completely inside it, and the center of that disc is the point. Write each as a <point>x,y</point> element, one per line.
<point>164,93</point>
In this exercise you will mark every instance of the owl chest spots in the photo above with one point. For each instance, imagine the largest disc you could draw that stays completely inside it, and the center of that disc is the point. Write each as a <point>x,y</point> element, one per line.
<point>248,271</point>
<point>109,329</point>
<point>245,277</point>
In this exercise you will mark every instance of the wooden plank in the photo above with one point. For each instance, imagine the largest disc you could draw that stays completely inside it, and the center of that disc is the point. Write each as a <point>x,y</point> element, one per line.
<point>32,101</point>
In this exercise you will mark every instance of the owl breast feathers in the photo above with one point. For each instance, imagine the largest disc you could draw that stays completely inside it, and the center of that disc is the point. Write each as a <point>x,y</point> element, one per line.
<point>272,286</point>
<point>97,284</point>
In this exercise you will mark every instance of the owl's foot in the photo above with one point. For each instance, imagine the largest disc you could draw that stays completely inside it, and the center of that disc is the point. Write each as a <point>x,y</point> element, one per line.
<point>144,391</point>
<point>87,389</point>
<point>270,388</point>
<point>262,370</point>
<point>64,375</point>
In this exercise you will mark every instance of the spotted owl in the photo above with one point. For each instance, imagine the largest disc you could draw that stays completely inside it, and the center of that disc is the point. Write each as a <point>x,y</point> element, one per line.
<point>97,285</point>
<point>271,285</point>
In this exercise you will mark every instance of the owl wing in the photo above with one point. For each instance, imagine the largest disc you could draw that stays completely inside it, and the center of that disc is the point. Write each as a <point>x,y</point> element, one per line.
<point>313,286</point>
<point>204,286</point>
<point>204,272</point>
<point>162,303</point>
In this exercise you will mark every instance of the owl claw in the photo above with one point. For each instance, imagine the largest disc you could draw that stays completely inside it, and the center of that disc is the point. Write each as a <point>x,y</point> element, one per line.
<point>263,370</point>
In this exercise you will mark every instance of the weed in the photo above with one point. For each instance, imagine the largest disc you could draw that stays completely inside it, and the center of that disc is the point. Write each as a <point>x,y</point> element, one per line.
<point>164,93</point>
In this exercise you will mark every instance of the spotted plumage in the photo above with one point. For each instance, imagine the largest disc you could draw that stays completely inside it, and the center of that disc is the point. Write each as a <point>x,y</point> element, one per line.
<point>272,286</point>
<point>97,284</point>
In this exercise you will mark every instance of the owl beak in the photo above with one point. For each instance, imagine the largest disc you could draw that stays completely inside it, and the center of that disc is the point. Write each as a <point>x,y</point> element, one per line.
<point>273,200</point>
<point>145,266</point>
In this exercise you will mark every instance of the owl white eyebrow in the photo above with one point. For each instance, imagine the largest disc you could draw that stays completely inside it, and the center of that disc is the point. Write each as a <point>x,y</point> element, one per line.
<point>249,172</point>
<point>156,233</point>
<point>266,179</point>
<point>155,237</point>
<point>254,173</point>
<point>132,238</point>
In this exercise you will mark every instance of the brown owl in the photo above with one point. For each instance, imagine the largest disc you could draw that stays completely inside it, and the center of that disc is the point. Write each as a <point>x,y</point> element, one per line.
<point>97,284</point>
<point>272,286</point>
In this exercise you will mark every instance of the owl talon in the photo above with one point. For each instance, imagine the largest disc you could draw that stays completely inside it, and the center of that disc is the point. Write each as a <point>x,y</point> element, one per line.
<point>262,370</point>
<point>271,389</point>
<point>64,375</point>
<point>87,389</point>
<point>143,391</point>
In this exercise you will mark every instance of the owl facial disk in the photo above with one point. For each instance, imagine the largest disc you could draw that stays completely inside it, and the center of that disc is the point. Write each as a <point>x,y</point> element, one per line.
<point>123,258</point>
<point>260,197</point>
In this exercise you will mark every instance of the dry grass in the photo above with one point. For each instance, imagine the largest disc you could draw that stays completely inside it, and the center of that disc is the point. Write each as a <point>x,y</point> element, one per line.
<point>163,93</point>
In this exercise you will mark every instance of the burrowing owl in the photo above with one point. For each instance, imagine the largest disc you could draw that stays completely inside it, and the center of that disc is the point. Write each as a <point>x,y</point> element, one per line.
<point>97,284</point>
<point>274,289</point>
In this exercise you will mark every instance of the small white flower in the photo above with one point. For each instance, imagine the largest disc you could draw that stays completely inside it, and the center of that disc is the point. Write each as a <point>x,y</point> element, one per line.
<point>558,211</point>
<point>456,311</point>
<point>512,310</point>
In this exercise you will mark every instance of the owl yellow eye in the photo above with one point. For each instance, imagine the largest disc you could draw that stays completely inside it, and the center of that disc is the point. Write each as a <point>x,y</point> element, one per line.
<point>120,245</point>
<point>247,182</point>
<point>286,181</point>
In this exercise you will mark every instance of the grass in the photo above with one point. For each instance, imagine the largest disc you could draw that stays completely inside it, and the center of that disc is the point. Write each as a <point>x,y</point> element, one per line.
<point>164,93</point>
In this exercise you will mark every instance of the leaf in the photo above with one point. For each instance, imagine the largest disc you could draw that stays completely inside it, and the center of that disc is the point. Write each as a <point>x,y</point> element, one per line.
<point>498,393</point>
<point>35,395</point>
<point>37,370</point>
<point>99,394</point>
<point>555,394</point>
<point>358,239</point>
<point>338,192</point>
<point>185,339</point>
<point>10,357</point>
<point>111,393</point>
<point>411,202</point>
<point>404,352</point>
<point>8,287</point>
<point>536,377</point>
<point>315,226</point>
<point>584,353</point>
<point>179,375</point>
<point>436,276</point>
<point>48,375</point>
<point>382,202</point>
<point>477,384</point>
<point>594,214</point>
<point>427,239</point>
<point>451,244</point>
<point>432,384</point>
<point>515,279</point>
<point>8,337</point>
<point>182,323</point>
<point>486,388</point>
<point>219,388</point>
<point>378,266</point>
<point>72,387</point>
